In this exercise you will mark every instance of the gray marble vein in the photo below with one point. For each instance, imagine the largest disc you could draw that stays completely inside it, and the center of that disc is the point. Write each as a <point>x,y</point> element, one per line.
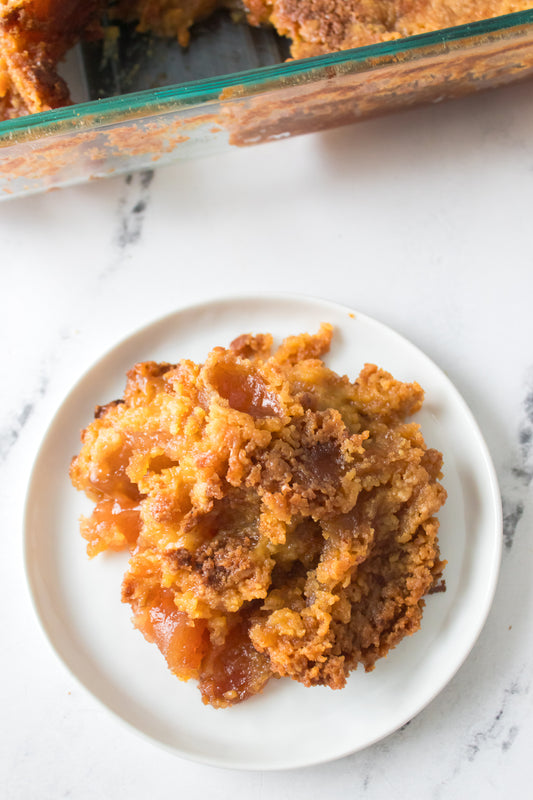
<point>133,202</point>
<point>516,484</point>
<point>132,208</point>
<point>17,419</point>
<point>497,729</point>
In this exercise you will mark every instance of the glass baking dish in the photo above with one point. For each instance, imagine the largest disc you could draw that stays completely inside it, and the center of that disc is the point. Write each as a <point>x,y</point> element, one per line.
<point>140,129</point>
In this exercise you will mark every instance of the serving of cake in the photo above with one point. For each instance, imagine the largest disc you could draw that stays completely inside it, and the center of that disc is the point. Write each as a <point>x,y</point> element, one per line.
<point>280,517</point>
<point>35,34</point>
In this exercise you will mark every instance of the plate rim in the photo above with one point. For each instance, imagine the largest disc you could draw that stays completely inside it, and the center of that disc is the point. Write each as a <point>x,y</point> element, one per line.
<point>496,517</point>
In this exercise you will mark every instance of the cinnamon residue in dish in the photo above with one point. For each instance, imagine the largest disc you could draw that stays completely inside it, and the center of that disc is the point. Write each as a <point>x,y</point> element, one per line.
<point>280,517</point>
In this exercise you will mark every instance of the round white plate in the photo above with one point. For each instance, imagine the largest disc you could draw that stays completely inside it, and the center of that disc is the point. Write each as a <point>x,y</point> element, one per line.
<point>78,601</point>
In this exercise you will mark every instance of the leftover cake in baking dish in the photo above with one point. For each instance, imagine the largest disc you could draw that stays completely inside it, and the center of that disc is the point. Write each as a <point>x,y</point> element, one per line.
<point>36,34</point>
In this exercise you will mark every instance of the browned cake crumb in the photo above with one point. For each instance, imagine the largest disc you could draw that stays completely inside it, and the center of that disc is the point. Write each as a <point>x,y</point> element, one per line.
<point>34,36</point>
<point>280,518</point>
<point>169,18</point>
<point>324,26</point>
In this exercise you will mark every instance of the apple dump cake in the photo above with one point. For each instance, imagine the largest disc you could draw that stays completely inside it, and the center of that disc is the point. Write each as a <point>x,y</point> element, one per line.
<point>280,517</point>
<point>35,34</point>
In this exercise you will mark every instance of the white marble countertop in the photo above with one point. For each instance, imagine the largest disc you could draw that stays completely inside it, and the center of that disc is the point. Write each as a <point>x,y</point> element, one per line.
<point>421,220</point>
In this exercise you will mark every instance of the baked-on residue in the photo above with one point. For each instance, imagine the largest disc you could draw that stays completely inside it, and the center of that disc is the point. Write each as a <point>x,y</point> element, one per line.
<point>35,34</point>
<point>280,517</point>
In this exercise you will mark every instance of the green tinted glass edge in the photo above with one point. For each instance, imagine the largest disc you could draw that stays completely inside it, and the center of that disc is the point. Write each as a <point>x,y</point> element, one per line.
<point>195,93</point>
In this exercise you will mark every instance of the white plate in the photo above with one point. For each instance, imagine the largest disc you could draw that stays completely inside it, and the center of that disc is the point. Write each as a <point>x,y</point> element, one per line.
<point>78,601</point>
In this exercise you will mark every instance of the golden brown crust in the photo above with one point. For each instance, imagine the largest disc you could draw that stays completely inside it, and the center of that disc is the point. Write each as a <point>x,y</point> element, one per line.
<point>34,36</point>
<point>317,27</point>
<point>281,518</point>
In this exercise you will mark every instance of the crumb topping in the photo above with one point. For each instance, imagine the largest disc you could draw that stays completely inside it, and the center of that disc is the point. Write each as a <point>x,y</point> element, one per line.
<point>280,517</point>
